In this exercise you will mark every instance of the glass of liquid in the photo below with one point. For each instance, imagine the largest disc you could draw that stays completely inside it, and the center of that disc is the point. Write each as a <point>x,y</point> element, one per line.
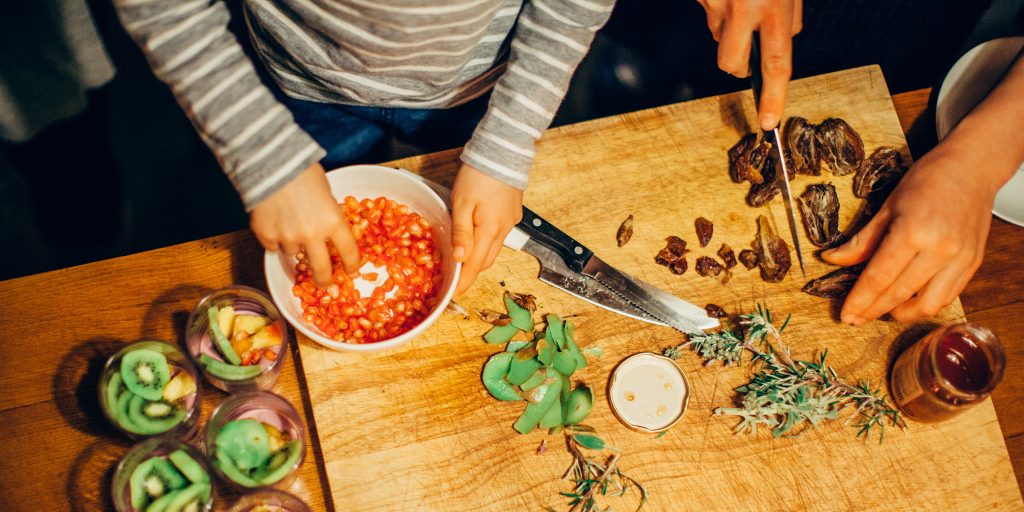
<point>948,371</point>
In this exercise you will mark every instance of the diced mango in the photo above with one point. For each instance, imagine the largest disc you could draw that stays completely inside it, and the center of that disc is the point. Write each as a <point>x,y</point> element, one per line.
<point>180,386</point>
<point>267,336</point>
<point>249,323</point>
<point>226,318</point>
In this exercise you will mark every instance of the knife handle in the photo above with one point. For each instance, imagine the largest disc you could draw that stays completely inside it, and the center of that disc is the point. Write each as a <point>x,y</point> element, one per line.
<point>545,233</point>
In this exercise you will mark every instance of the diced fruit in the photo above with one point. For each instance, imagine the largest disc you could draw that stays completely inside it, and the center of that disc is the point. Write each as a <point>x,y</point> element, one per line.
<point>494,373</point>
<point>240,342</point>
<point>245,442</point>
<point>220,339</point>
<point>267,336</point>
<point>226,319</point>
<point>145,373</point>
<point>161,503</point>
<point>179,387</point>
<point>249,323</point>
<point>189,467</point>
<point>229,372</point>
<point>275,437</point>
<point>227,466</point>
<point>521,318</point>
<point>152,417</point>
<point>280,464</point>
<point>190,499</point>
<point>500,334</point>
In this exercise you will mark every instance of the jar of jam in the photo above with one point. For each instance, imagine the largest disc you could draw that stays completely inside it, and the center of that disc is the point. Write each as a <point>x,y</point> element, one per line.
<point>948,371</point>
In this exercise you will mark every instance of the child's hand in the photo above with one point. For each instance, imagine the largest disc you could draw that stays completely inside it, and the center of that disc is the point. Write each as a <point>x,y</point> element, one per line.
<point>484,210</point>
<point>302,216</point>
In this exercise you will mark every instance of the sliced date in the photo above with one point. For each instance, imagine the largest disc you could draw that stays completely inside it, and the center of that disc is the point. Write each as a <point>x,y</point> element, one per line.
<point>708,266</point>
<point>800,147</point>
<point>772,252</point>
<point>761,193</point>
<point>625,231</point>
<point>728,256</point>
<point>879,174</point>
<point>747,158</point>
<point>839,145</point>
<point>705,228</point>
<point>836,284</point>
<point>749,258</point>
<point>819,207</point>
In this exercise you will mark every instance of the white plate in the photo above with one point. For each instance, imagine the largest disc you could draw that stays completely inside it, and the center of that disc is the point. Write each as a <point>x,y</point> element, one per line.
<point>966,84</point>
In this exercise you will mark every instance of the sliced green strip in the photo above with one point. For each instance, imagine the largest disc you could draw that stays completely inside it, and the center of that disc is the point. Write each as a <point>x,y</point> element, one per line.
<point>564,363</point>
<point>535,411</point>
<point>220,340</point>
<point>514,346</point>
<point>500,334</point>
<point>579,405</point>
<point>228,371</point>
<point>521,318</point>
<point>523,366</point>
<point>555,332</point>
<point>573,348</point>
<point>494,377</point>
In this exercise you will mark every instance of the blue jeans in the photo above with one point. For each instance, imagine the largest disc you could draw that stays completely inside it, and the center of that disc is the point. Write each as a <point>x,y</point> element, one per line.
<point>352,134</point>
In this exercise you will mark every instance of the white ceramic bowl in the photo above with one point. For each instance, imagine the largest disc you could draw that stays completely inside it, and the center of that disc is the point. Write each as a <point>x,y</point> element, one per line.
<point>362,181</point>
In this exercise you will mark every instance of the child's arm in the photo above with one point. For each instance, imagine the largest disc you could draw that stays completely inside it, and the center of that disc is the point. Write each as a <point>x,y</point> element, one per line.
<point>550,39</point>
<point>261,149</point>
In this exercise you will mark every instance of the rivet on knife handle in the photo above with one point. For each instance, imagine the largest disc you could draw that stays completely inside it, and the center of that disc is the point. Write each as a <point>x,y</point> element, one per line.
<point>542,231</point>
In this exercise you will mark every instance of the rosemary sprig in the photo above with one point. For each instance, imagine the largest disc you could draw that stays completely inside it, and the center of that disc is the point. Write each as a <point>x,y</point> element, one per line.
<point>593,476</point>
<point>786,394</point>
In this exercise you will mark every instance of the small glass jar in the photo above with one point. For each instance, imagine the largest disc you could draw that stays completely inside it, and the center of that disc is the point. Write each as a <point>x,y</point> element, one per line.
<point>948,371</point>
<point>271,410</point>
<point>188,476</point>
<point>233,378</point>
<point>120,405</point>
<point>269,500</point>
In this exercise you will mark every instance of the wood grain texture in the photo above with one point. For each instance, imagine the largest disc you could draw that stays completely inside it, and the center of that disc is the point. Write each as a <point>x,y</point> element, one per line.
<point>413,429</point>
<point>58,452</point>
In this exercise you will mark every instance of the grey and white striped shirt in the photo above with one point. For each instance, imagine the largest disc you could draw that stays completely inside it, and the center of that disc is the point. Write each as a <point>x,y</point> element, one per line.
<point>395,53</point>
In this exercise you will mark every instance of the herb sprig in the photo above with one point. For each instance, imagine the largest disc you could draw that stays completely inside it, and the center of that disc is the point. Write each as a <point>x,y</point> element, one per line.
<point>594,476</point>
<point>784,394</point>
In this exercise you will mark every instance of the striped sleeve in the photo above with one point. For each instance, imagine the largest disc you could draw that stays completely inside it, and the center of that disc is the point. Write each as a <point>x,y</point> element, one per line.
<point>189,47</point>
<point>551,37</point>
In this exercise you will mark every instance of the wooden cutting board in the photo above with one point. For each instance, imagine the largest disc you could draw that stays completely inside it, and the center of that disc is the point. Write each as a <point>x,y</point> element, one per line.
<point>413,428</point>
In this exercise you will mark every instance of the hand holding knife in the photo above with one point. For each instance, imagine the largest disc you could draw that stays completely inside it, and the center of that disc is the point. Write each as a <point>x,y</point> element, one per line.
<point>783,177</point>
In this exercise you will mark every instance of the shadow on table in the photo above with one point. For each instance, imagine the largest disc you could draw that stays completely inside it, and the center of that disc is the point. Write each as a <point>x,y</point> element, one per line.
<point>75,386</point>
<point>90,476</point>
<point>907,338</point>
<point>169,312</point>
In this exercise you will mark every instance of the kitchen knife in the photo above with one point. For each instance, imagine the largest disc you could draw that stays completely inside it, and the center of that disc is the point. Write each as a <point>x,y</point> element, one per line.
<point>570,266</point>
<point>783,178</point>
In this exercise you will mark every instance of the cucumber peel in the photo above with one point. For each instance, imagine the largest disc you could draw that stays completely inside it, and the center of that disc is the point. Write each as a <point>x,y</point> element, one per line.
<point>514,346</point>
<point>500,334</point>
<point>521,317</point>
<point>564,363</point>
<point>535,411</point>
<point>573,348</point>
<point>229,371</point>
<point>220,339</point>
<point>578,405</point>
<point>545,351</point>
<point>494,377</point>
<point>524,364</point>
<point>554,331</point>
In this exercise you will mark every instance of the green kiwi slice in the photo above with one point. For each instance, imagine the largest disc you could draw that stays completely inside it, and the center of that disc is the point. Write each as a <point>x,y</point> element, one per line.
<point>145,373</point>
<point>494,373</point>
<point>152,479</point>
<point>189,499</point>
<point>227,466</point>
<point>227,371</point>
<point>151,417</point>
<point>220,338</point>
<point>189,467</point>
<point>245,442</point>
<point>160,504</point>
<point>280,464</point>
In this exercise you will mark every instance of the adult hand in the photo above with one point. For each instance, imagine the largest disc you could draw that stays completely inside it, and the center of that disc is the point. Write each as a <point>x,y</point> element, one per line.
<point>925,242</point>
<point>733,22</point>
<point>484,210</point>
<point>301,217</point>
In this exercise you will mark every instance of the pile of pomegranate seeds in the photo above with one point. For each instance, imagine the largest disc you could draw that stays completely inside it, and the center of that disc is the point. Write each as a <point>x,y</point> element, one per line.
<point>389,236</point>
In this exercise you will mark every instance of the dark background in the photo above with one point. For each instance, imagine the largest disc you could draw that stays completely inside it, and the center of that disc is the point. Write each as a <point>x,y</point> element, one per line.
<point>130,174</point>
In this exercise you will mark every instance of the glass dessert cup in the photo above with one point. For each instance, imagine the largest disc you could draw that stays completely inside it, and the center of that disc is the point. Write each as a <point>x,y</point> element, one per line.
<point>269,500</point>
<point>256,440</point>
<point>239,340</point>
<point>151,388</point>
<point>163,473</point>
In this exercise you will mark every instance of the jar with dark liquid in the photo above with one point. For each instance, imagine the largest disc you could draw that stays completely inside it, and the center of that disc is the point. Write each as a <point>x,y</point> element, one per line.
<point>948,371</point>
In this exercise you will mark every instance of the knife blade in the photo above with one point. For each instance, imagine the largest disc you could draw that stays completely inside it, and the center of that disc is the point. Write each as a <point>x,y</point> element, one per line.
<point>783,178</point>
<point>606,286</point>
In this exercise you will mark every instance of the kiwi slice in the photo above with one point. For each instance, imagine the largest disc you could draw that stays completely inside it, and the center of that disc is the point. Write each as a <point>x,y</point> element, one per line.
<point>115,386</point>
<point>189,499</point>
<point>145,373</point>
<point>495,371</point>
<point>151,417</point>
<point>160,504</point>
<point>121,411</point>
<point>189,467</point>
<point>220,338</point>
<point>227,466</point>
<point>245,442</point>
<point>281,463</point>
<point>152,479</point>
<point>227,371</point>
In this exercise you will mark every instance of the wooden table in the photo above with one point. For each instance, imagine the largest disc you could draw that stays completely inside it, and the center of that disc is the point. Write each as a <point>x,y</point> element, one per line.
<point>57,452</point>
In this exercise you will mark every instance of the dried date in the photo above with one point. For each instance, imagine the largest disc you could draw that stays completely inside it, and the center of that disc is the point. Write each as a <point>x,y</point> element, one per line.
<point>819,207</point>
<point>715,311</point>
<point>705,228</point>
<point>625,231</point>
<point>800,147</point>
<point>494,318</point>
<point>761,193</point>
<point>728,257</point>
<point>879,174</point>
<point>839,145</point>
<point>772,252</point>
<point>672,255</point>
<point>525,301</point>
<point>708,266</point>
<point>836,284</point>
<point>747,158</point>
<point>678,267</point>
<point>749,258</point>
